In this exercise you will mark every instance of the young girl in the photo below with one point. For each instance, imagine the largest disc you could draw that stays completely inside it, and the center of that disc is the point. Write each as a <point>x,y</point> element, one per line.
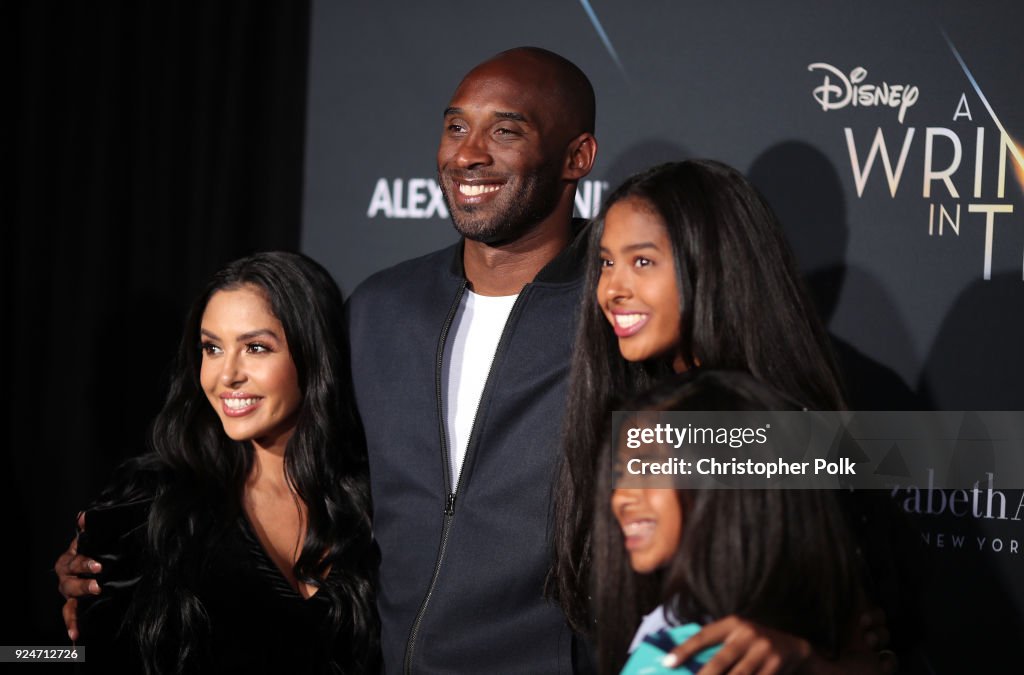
<point>772,573</point>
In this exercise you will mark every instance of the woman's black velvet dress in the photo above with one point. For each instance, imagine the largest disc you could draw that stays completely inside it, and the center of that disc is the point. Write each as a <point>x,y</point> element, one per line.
<point>257,622</point>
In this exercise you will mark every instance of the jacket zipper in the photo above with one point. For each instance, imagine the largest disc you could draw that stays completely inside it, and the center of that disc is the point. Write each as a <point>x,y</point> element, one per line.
<point>449,508</point>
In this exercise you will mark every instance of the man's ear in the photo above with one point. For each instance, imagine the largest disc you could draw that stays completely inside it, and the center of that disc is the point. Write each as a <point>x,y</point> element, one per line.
<point>580,156</point>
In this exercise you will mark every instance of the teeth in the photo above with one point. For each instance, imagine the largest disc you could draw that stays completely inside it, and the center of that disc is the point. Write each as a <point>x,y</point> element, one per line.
<point>238,403</point>
<point>637,527</point>
<point>474,190</point>
<point>628,320</point>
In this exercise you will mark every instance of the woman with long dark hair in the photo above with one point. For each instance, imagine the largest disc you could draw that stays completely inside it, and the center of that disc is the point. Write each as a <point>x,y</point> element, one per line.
<point>690,267</point>
<point>242,541</point>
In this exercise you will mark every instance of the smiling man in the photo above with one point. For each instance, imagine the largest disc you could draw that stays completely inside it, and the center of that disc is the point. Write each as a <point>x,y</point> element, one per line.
<point>460,360</point>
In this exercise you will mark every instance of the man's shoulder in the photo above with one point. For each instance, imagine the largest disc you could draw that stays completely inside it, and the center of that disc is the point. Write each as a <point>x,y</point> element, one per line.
<point>410,273</point>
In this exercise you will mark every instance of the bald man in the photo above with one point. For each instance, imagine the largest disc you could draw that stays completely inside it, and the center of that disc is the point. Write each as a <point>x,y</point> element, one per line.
<point>460,360</point>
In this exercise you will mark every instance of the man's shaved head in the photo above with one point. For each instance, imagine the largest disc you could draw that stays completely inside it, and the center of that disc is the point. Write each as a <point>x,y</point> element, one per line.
<point>566,86</point>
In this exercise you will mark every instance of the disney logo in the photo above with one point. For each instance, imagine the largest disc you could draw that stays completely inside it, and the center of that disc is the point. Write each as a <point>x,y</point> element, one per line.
<point>852,90</point>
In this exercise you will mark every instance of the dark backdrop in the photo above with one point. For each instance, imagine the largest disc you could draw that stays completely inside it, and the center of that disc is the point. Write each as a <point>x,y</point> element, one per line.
<point>152,142</point>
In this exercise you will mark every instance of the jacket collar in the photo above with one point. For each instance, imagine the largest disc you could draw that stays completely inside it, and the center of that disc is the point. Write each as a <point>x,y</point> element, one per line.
<point>567,267</point>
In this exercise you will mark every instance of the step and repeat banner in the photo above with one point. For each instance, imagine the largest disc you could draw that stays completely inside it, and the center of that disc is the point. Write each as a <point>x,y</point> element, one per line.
<point>889,137</point>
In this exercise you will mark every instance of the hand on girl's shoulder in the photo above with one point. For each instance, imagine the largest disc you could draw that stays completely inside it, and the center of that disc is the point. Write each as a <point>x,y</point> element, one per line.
<point>649,655</point>
<point>745,647</point>
<point>749,647</point>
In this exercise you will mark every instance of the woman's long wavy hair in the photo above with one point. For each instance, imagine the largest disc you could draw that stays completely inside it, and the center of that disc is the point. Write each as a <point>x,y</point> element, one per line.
<point>783,558</point>
<point>198,476</point>
<point>743,306</point>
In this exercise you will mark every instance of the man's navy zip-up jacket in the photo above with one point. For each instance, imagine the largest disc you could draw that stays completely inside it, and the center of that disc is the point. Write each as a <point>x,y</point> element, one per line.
<point>462,571</point>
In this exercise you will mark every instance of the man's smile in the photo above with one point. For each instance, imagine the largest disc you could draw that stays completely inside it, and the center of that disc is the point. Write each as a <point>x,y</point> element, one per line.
<point>479,189</point>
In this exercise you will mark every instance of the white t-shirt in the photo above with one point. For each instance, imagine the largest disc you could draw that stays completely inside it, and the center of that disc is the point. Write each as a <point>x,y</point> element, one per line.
<point>476,329</point>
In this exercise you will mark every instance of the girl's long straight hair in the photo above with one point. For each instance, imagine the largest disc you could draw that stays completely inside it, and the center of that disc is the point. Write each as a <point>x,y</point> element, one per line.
<point>742,306</point>
<point>782,558</point>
